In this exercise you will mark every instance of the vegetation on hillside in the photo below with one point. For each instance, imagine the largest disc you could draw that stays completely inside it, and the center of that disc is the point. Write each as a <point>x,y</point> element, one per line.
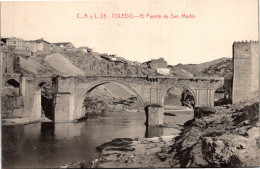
<point>222,69</point>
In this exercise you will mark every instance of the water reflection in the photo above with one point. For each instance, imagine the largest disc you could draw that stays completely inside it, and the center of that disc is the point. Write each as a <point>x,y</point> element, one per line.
<point>47,129</point>
<point>50,145</point>
<point>153,131</point>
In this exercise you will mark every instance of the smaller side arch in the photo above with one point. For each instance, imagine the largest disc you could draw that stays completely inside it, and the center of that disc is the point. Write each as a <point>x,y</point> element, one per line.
<point>217,87</point>
<point>12,82</point>
<point>40,82</point>
<point>179,85</point>
<point>12,87</point>
<point>223,98</point>
<point>78,111</point>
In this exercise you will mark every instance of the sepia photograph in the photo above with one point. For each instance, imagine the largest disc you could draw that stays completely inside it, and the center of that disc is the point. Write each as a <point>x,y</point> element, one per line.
<point>130,84</point>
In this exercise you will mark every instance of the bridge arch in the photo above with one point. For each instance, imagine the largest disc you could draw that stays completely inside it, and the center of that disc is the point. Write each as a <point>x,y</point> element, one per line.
<point>12,82</point>
<point>12,87</point>
<point>79,109</point>
<point>39,101</point>
<point>179,86</point>
<point>217,87</point>
<point>220,96</point>
<point>41,81</point>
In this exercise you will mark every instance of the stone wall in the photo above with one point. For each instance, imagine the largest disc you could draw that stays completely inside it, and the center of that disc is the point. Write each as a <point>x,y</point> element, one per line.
<point>7,63</point>
<point>246,70</point>
<point>11,99</point>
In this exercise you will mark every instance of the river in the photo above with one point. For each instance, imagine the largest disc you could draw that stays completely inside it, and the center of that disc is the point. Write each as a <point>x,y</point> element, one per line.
<point>50,144</point>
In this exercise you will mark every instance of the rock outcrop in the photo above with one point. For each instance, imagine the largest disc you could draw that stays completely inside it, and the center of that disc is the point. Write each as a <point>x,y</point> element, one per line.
<point>227,138</point>
<point>221,137</point>
<point>134,153</point>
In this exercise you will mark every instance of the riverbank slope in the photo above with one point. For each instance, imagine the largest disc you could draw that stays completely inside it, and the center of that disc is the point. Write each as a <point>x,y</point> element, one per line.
<point>221,137</point>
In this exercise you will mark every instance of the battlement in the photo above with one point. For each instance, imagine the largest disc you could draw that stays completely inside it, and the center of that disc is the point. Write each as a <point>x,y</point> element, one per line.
<point>245,42</point>
<point>245,49</point>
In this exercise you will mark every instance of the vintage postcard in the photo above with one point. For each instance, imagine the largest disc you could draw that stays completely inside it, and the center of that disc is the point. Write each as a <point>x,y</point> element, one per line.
<point>130,84</point>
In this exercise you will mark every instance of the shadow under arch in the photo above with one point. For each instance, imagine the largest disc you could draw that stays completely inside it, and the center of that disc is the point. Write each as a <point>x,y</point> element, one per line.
<point>224,95</point>
<point>179,86</point>
<point>12,82</point>
<point>11,87</point>
<point>79,109</point>
<point>42,103</point>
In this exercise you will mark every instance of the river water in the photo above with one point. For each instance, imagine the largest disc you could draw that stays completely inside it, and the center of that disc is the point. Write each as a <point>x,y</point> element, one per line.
<point>52,145</point>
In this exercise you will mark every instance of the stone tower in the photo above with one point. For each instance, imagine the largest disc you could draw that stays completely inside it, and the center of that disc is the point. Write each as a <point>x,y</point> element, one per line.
<point>246,70</point>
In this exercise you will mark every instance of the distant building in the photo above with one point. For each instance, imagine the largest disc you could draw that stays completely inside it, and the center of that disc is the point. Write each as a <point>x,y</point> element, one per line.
<point>113,55</point>
<point>113,59</point>
<point>17,43</point>
<point>30,46</point>
<point>86,49</point>
<point>64,44</point>
<point>156,63</point>
<point>137,63</point>
<point>41,45</point>
<point>163,71</point>
<point>7,63</point>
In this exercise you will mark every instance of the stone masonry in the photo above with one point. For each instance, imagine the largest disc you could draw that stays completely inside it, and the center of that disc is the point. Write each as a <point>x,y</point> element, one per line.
<point>246,70</point>
<point>70,92</point>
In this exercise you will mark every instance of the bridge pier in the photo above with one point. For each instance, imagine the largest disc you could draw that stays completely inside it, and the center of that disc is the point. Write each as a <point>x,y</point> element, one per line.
<point>37,108</point>
<point>62,107</point>
<point>154,115</point>
<point>204,97</point>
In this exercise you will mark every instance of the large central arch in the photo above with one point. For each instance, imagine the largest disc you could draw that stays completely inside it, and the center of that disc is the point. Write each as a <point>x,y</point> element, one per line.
<point>182,86</point>
<point>79,108</point>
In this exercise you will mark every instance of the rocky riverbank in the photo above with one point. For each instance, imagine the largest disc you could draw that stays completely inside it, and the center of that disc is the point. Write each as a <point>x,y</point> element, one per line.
<point>134,153</point>
<point>130,153</point>
<point>220,137</point>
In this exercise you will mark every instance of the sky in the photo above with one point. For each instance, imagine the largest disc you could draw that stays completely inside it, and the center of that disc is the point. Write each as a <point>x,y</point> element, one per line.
<point>208,36</point>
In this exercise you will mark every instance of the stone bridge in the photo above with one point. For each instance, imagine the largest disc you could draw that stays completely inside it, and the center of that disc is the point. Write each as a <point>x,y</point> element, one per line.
<point>70,92</point>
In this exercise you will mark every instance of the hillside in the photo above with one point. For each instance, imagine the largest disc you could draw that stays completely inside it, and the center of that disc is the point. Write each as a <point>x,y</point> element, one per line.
<point>81,61</point>
<point>221,69</point>
<point>63,65</point>
<point>195,69</point>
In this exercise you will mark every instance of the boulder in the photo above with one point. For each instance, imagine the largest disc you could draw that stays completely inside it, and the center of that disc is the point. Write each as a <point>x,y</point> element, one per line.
<point>118,144</point>
<point>200,112</point>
